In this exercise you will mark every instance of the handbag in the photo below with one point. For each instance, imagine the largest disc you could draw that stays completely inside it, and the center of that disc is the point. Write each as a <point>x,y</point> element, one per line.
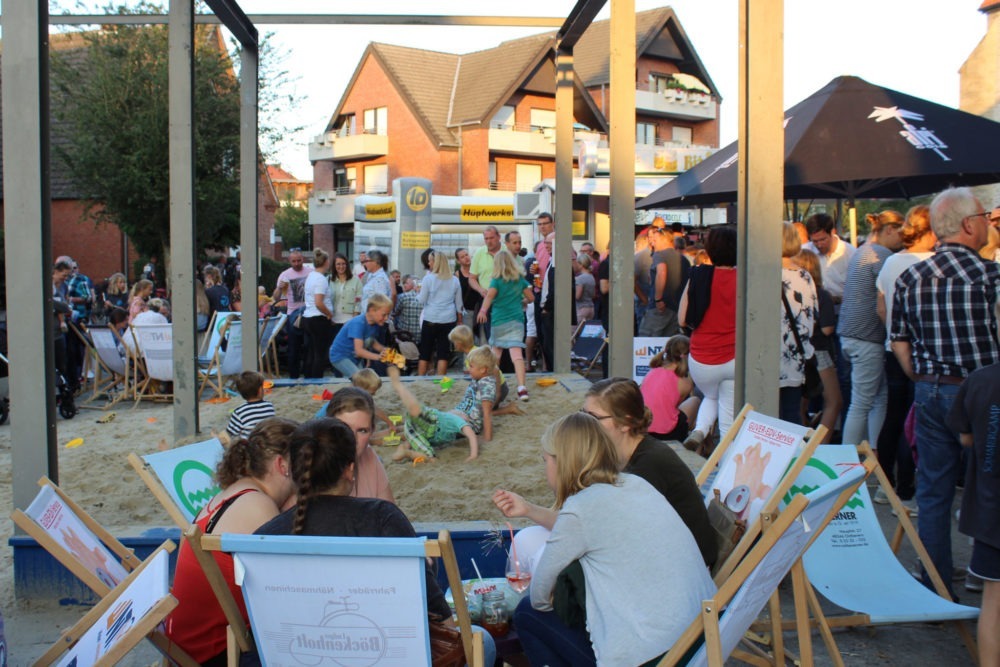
<point>812,386</point>
<point>447,649</point>
<point>728,529</point>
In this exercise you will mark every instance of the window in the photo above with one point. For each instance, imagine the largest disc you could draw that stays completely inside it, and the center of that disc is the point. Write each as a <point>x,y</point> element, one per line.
<point>348,127</point>
<point>345,181</point>
<point>377,179</point>
<point>542,119</point>
<point>682,135</point>
<point>645,133</point>
<point>658,82</point>
<point>377,121</point>
<point>504,119</point>
<point>493,171</point>
<point>528,176</point>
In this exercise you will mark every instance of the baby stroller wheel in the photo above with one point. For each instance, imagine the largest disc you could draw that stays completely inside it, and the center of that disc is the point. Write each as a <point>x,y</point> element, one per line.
<point>67,409</point>
<point>4,410</point>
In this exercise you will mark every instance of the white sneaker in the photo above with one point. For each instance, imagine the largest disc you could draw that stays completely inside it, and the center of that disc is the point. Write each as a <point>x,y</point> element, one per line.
<point>911,506</point>
<point>880,497</point>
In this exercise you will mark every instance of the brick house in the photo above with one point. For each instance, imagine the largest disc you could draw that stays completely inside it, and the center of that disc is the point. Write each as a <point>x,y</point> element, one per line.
<point>483,122</point>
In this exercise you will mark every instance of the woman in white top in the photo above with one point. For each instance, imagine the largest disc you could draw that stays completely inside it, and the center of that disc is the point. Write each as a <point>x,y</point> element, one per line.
<point>441,298</point>
<point>800,293</point>
<point>893,449</point>
<point>345,292</point>
<point>317,316</point>
<point>645,578</point>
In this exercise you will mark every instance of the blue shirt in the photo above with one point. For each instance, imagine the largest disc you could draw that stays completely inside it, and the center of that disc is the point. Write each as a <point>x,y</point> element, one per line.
<point>343,344</point>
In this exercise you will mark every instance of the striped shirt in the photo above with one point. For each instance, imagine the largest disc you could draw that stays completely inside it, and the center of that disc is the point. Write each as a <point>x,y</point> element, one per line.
<point>944,307</point>
<point>248,415</point>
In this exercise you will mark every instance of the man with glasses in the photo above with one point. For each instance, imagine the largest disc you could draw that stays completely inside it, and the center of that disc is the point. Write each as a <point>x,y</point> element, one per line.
<point>944,327</point>
<point>291,286</point>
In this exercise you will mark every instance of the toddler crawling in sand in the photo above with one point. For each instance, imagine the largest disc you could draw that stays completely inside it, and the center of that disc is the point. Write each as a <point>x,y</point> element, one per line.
<point>427,428</point>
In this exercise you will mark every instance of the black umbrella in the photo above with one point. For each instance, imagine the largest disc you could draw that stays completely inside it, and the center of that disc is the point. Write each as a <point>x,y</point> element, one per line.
<point>853,139</point>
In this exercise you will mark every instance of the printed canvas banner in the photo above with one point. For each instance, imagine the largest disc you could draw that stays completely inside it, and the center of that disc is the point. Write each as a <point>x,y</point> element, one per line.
<point>188,474</point>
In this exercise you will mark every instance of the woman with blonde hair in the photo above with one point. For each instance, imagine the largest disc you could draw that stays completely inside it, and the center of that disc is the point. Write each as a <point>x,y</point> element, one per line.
<point>441,298</point>
<point>893,449</point>
<point>833,401</point>
<point>255,476</point>
<point>116,295</point>
<point>585,288</point>
<point>799,311</point>
<point>141,291</point>
<point>504,308</point>
<point>609,522</point>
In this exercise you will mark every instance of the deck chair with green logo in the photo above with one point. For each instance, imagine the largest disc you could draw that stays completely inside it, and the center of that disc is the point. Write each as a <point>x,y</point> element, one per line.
<point>726,617</point>
<point>183,481</point>
<point>752,469</point>
<point>129,613</point>
<point>343,600</point>
<point>85,548</point>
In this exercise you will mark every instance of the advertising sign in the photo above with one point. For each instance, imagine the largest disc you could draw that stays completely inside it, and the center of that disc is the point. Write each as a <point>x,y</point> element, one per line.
<point>644,349</point>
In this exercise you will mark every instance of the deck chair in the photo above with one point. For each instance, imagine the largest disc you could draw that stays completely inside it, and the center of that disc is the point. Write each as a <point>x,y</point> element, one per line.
<point>111,368</point>
<point>588,344</point>
<point>293,618</point>
<point>124,617</point>
<point>783,448</point>
<point>270,327</point>
<point>88,370</point>
<point>726,617</point>
<point>85,548</point>
<point>155,348</point>
<point>852,565</point>
<point>214,334</point>
<point>223,363</point>
<point>182,480</point>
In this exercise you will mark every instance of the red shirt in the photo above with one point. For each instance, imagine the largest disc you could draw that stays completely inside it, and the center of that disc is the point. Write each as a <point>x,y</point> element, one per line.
<point>714,341</point>
<point>197,623</point>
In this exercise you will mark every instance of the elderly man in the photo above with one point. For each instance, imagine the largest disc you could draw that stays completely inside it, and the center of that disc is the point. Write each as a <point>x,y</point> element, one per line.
<point>291,287</point>
<point>944,327</point>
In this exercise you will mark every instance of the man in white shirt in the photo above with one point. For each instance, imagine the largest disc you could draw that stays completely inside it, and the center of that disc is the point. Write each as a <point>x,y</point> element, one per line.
<point>291,286</point>
<point>834,254</point>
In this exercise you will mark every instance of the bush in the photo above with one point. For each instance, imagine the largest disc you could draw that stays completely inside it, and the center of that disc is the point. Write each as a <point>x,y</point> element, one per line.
<point>269,271</point>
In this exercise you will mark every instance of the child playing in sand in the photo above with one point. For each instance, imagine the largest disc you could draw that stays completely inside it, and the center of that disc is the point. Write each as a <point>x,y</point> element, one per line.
<point>369,382</point>
<point>462,340</point>
<point>358,339</point>
<point>427,428</point>
<point>250,384</point>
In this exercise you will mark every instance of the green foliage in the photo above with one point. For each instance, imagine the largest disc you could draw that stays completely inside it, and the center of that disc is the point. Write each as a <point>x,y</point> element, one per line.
<point>269,271</point>
<point>113,97</point>
<point>866,206</point>
<point>290,222</point>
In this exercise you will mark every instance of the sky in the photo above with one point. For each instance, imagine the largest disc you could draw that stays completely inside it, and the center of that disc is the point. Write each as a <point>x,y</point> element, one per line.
<point>914,46</point>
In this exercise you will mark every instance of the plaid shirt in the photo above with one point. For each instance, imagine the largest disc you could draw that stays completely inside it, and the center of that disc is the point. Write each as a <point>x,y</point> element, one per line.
<point>406,314</point>
<point>944,307</point>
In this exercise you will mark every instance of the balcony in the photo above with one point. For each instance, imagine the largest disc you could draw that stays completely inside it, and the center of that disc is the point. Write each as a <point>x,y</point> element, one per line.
<point>661,159</point>
<point>337,146</point>
<point>327,207</point>
<point>681,105</point>
<point>531,139</point>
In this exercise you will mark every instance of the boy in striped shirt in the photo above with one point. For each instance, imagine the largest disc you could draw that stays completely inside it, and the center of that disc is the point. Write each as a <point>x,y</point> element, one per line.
<point>250,384</point>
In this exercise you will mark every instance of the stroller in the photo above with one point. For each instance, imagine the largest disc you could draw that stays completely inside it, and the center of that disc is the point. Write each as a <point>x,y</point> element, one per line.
<point>64,396</point>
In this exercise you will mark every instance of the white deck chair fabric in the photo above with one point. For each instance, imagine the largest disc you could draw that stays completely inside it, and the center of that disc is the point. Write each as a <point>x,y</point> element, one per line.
<point>763,580</point>
<point>214,337</point>
<point>106,346</point>
<point>157,348</point>
<point>226,362</point>
<point>187,474</point>
<point>368,593</point>
<point>853,566</point>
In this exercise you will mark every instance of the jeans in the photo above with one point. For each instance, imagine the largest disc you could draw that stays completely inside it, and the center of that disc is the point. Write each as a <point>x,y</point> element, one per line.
<point>346,366</point>
<point>869,392</point>
<point>843,370</point>
<point>716,383</point>
<point>938,472</point>
<point>546,640</point>
<point>894,453</point>
<point>790,404</point>
<point>489,646</point>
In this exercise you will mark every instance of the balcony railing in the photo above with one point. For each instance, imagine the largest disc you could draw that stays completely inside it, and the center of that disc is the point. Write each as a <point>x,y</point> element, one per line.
<point>678,104</point>
<point>340,146</point>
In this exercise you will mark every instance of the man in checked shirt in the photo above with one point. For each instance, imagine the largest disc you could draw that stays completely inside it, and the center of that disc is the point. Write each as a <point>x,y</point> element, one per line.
<point>944,326</point>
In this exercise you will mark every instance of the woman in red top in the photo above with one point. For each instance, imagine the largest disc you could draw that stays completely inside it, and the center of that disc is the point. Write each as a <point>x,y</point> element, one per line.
<point>708,308</point>
<point>256,485</point>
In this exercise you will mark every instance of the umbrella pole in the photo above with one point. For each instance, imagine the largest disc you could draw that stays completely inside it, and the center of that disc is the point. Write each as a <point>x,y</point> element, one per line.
<point>852,217</point>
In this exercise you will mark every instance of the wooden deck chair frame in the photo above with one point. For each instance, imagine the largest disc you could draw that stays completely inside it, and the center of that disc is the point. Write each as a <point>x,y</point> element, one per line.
<point>145,627</point>
<point>769,511</point>
<point>804,593</point>
<point>238,630</point>
<point>707,623</point>
<point>269,344</point>
<point>437,548</point>
<point>206,350</point>
<point>128,560</point>
<point>91,362</point>
<point>102,386</point>
<point>211,375</point>
<point>144,388</point>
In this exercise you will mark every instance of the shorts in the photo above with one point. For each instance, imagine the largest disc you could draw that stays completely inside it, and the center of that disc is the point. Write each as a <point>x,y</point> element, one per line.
<point>679,432</point>
<point>434,340</point>
<point>529,325</point>
<point>823,360</point>
<point>432,428</point>
<point>502,394</point>
<point>507,335</point>
<point>985,562</point>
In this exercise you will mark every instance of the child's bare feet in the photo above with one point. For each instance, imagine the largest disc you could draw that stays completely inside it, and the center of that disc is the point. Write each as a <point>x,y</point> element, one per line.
<point>402,453</point>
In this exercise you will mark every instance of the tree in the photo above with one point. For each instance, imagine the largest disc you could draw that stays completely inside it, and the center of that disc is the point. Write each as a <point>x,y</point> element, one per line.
<point>290,222</point>
<point>112,97</point>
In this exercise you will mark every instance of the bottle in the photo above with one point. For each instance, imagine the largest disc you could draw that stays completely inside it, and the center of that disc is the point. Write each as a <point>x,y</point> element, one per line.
<point>496,620</point>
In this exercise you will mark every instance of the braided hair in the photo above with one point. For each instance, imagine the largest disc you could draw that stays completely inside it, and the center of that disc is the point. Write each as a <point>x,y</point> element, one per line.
<point>251,456</point>
<point>321,451</point>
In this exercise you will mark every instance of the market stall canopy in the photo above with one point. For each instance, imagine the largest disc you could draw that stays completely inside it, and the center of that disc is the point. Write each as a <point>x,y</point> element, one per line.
<point>853,139</point>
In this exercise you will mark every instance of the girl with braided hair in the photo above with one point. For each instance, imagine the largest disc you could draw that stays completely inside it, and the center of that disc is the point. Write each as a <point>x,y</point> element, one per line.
<point>323,455</point>
<point>255,476</point>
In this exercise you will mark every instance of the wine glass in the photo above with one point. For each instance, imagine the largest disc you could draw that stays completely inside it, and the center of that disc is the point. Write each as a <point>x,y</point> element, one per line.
<point>518,574</point>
